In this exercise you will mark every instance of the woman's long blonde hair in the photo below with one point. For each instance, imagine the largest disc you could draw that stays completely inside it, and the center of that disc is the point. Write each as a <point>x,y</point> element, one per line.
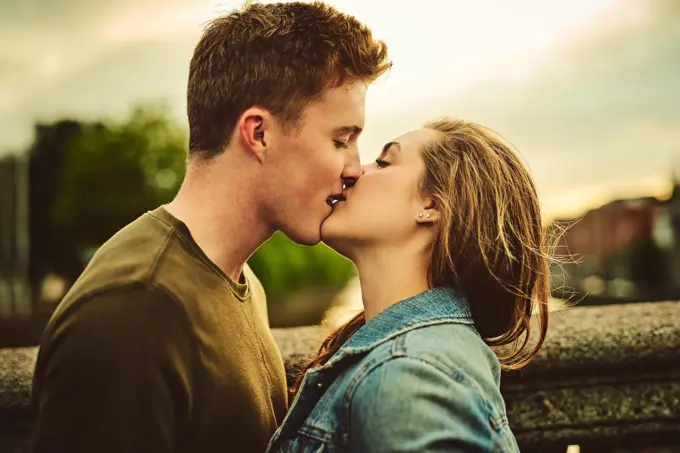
<point>489,243</point>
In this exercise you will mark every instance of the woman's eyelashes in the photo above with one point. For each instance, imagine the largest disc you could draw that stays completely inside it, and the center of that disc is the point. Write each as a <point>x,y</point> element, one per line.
<point>381,163</point>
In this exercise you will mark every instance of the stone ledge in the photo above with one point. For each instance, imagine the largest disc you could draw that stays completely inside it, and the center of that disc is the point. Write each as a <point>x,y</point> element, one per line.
<point>16,374</point>
<point>608,374</point>
<point>599,340</point>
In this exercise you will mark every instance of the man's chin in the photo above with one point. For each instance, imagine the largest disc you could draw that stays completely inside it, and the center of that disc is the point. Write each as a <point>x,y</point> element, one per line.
<point>325,222</point>
<point>309,237</point>
<point>329,232</point>
<point>338,244</point>
<point>334,230</point>
<point>324,227</point>
<point>310,240</point>
<point>313,242</point>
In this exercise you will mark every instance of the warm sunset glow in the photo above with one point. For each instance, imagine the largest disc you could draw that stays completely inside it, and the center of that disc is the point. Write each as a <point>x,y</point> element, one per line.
<point>586,90</point>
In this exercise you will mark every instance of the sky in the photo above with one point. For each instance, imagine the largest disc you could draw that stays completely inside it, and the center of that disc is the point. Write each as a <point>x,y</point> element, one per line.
<point>588,91</point>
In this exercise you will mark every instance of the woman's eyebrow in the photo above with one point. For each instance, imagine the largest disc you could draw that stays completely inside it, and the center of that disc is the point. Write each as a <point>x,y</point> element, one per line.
<point>389,146</point>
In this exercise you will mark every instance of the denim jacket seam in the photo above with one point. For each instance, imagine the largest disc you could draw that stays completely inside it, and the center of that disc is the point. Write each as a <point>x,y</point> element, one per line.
<point>399,345</point>
<point>455,374</point>
<point>458,376</point>
<point>495,418</point>
<point>356,382</point>
<point>318,434</point>
<point>365,370</point>
<point>397,350</point>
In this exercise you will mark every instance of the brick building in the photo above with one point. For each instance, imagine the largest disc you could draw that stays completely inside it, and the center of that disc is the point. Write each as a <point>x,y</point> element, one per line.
<point>625,248</point>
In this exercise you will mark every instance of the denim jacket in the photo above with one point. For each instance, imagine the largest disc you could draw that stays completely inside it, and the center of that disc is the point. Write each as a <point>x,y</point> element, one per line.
<point>416,378</point>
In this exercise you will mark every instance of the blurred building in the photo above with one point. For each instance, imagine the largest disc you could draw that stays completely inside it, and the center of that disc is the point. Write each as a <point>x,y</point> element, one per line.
<point>667,233</point>
<point>49,247</point>
<point>15,296</point>
<point>626,249</point>
<point>28,243</point>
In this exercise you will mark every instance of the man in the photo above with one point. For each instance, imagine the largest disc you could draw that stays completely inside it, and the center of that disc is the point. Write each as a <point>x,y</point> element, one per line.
<point>163,343</point>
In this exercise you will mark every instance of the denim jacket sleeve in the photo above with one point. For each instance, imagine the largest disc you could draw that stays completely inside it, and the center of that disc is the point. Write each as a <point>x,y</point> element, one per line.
<point>410,405</point>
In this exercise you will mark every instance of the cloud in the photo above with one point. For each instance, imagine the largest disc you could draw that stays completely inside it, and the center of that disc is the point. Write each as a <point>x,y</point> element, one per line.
<point>605,111</point>
<point>82,58</point>
<point>597,105</point>
<point>599,111</point>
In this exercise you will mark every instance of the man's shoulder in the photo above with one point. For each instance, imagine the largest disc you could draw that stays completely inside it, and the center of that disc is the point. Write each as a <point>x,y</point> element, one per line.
<point>150,252</point>
<point>115,317</point>
<point>120,274</point>
<point>133,301</point>
<point>131,255</point>
<point>105,338</point>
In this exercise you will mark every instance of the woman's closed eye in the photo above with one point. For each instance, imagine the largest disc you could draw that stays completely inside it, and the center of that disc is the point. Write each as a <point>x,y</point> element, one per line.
<point>339,144</point>
<point>381,163</point>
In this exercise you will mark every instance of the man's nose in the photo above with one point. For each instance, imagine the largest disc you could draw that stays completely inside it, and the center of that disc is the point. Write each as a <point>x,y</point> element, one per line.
<point>353,169</point>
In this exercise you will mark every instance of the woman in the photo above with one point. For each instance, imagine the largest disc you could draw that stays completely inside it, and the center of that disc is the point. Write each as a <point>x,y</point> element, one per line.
<point>445,232</point>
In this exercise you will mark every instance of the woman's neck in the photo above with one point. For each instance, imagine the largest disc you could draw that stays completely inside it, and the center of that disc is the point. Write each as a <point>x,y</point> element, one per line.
<point>389,276</point>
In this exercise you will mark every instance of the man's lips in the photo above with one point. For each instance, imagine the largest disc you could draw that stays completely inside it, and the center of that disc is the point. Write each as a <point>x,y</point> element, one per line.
<point>333,199</point>
<point>342,196</point>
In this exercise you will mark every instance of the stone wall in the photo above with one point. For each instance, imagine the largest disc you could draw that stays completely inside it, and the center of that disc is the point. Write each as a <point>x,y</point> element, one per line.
<point>608,379</point>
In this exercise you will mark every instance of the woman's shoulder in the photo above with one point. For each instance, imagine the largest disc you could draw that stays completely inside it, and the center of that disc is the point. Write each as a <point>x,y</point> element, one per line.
<point>451,345</point>
<point>441,376</point>
<point>440,372</point>
<point>453,348</point>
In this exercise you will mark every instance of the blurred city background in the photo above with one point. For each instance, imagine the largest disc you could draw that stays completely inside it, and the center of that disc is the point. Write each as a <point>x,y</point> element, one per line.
<point>93,133</point>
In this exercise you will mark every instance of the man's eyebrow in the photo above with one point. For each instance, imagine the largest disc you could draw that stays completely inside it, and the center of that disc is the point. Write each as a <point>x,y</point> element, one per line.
<point>347,130</point>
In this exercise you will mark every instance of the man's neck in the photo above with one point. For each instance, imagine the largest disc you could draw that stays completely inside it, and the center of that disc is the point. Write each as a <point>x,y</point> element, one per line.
<point>222,218</point>
<point>389,276</point>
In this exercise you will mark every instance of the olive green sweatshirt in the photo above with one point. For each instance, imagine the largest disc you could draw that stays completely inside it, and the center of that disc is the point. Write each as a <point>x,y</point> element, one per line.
<point>155,349</point>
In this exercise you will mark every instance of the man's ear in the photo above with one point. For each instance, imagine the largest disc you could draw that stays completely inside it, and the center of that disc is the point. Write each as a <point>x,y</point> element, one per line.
<point>428,212</point>
<point>254,128</point>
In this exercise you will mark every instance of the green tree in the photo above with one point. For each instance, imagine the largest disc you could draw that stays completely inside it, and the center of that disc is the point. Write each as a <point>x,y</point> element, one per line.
<point>116,171</point>
<point>284,266</point>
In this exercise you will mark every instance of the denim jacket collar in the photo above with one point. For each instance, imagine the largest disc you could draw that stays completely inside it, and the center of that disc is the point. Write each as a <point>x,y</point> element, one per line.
<point>434,306</point>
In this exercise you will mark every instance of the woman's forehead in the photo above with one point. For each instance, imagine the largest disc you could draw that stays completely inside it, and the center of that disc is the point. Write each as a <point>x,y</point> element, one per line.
<point>415,139</point>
